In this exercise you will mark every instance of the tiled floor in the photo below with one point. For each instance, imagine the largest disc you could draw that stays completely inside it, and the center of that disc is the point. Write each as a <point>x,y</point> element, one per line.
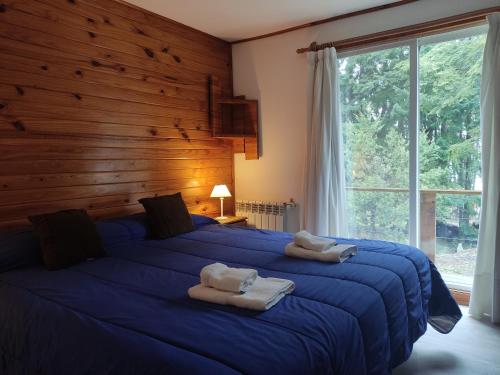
<point>472,348</point>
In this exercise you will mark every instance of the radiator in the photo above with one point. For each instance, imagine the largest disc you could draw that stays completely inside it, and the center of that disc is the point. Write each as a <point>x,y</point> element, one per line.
<point>276,216</point>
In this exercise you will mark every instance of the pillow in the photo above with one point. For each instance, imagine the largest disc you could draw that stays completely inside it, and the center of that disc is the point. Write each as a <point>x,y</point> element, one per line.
<point>115,231</point>
<point>66,238</point>
<point>167,215</point>
<point>200,220</point>
<point>18,249</point>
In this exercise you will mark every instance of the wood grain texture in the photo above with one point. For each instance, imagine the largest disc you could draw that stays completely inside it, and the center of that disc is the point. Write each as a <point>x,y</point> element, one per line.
<point>101,104</point>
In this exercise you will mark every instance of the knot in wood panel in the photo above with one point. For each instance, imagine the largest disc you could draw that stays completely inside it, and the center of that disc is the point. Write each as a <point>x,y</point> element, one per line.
<point>20,90</point>
<point>139,31</point>
<point>177,58</point>
<point>149,52</point>
<point>91,34</point>
<point>19,125</point>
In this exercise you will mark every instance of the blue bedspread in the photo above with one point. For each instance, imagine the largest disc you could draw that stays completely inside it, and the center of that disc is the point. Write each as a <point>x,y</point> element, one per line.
<point>129,313</point>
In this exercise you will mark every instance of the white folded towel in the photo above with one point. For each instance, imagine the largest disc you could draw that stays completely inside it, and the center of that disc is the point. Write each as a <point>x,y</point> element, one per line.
<point>220,276</point>
<point>335,254</point>
<point>263,294</point>
<point>311,242</point>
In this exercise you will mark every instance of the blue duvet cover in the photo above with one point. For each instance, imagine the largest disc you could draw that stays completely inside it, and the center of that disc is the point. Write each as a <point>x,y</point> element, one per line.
<point>129,313</point>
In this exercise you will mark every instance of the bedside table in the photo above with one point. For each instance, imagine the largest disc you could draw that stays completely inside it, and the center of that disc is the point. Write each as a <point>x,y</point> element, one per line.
<point>233,220</point>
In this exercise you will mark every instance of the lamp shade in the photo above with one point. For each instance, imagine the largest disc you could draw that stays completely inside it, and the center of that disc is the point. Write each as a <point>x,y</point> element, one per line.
<point>220,191</point>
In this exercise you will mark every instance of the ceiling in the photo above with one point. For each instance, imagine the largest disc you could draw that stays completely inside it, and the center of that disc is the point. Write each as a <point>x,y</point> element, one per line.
<point>239,19</point>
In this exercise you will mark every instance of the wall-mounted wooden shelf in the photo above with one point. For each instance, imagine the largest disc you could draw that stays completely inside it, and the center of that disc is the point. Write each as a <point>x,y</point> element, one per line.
<point>238,118</point>
<point>235,119</point>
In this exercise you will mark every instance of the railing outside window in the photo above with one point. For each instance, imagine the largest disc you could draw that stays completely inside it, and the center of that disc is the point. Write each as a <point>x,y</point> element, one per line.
<point>441,235</point>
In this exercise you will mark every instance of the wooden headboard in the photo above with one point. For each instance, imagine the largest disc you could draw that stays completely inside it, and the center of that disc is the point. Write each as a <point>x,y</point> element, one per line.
<point>102,103</point>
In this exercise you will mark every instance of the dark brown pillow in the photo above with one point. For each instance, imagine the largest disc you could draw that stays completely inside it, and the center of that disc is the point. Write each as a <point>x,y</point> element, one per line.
<point>66,238</point>
<point>167,215</point>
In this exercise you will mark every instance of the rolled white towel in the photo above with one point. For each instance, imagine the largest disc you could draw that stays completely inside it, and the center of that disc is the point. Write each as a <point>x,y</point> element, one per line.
<point>222,277</point>
<point>311,242</point>
<point>335,254</point>
<point>263,294</point>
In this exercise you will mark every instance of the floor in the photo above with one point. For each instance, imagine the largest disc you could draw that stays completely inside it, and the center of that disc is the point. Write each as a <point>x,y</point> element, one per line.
<point>472,348</point>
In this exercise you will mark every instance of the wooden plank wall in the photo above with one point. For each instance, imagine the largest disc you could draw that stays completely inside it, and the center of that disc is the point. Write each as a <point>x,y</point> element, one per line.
<point>102,103</point>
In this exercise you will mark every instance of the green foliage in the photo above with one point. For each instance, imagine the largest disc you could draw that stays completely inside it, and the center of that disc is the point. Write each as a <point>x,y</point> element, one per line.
<point>375,103</point>
<point>376,214</point>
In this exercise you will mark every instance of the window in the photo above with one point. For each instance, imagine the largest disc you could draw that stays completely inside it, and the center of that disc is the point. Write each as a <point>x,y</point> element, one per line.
<point>375,115</point>
<point>410,116</point>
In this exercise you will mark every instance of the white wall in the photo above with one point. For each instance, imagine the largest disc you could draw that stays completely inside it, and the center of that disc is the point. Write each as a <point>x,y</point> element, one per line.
<point>271,71</point>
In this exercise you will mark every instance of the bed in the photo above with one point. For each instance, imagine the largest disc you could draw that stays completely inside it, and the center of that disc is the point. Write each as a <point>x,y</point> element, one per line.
<point>129,313</point>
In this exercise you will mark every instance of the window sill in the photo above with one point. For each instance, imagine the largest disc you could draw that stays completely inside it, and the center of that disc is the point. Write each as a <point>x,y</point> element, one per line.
<point>461,296</point>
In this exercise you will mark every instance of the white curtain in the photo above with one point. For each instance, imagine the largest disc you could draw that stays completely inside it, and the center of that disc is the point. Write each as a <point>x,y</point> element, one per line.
<point>485,298</point>
<point>324,208</point>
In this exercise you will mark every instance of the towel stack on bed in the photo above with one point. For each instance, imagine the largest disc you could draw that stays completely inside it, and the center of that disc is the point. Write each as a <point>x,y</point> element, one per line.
<point>307,246</point>
<point>240,287</point>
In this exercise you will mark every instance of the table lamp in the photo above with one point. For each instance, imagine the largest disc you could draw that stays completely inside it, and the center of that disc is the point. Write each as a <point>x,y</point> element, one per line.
<point>220,191</point>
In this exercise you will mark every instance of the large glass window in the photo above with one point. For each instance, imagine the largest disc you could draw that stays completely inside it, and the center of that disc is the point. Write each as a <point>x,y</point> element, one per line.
<point>450,152</point>
<point>412,150</point>
<point>375,101</point>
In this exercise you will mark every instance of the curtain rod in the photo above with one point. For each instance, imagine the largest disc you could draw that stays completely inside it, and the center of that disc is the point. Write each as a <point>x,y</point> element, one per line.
<point>418,30</point>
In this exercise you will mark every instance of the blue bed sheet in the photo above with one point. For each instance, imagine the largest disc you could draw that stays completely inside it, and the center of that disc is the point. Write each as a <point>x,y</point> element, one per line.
<point>129,313</point>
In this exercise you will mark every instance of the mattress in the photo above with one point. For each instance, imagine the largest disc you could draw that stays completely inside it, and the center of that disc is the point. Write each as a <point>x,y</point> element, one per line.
<point>129,313</point>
